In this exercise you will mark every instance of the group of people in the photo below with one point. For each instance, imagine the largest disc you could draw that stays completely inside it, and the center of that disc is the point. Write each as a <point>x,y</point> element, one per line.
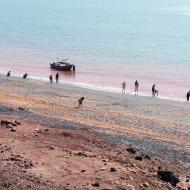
<point>154,90</point>
<point>24,76</point>
<point>50,77</point>
<point>80,100</point>
<point>56,78</point>
<point>124,86</point>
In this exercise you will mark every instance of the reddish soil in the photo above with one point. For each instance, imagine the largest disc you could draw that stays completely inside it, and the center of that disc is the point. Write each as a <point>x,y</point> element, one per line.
<point>39,156</point>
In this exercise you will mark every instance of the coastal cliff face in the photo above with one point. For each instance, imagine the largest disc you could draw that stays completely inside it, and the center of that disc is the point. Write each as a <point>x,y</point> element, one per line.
<point>46,142</point>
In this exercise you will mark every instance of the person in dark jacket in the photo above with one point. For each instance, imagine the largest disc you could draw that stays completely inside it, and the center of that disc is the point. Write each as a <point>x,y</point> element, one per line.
<point>57,77</point>
<point>9,74</point>
<point>80,100</point>
<point>153,90</point>
<point>136,86</point>
<point>188,95</point>
<point>25,75</point>
<point>51,79</point>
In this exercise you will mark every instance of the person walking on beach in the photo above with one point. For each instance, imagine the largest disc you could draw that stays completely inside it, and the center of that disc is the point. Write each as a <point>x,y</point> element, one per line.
<point>123,87</point>
<point>9,74</point>
<point>80,100</point>
<point>136,86</point>
<point>51,79</point>
<point>25,75</point>
<point>57,77</point>
<point>188,95</point>
<point>153,90</point>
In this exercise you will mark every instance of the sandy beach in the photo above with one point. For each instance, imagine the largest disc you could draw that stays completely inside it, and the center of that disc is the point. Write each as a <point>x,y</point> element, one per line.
<point>80,145</point>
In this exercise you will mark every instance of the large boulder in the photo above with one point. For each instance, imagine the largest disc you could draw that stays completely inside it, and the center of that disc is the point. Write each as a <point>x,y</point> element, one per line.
<point>168,176</point>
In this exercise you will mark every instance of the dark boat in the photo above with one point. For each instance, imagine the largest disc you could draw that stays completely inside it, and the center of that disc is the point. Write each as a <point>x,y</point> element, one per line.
<point>62,65</point>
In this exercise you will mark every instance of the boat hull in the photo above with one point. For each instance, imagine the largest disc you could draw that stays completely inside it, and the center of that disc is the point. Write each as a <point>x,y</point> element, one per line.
<point>61,68</point>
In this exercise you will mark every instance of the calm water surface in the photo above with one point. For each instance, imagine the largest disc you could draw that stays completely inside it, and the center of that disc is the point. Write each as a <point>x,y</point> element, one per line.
<point>108,40</point>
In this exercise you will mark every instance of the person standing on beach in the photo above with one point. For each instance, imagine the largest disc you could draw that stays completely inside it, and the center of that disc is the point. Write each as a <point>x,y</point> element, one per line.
<point>80,100</point>
<point>123,87</point>
<point>9,74</point>
<point>136,86</point>
<point>25,76</point>
<point>188,95</point>
<point>153,90</point>
<point>57,77</point>
<point>51,79</point>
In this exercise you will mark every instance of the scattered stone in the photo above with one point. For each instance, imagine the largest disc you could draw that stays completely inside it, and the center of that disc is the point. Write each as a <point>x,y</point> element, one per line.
<point>147,157</point>
<point>168,176</point>
<point>133,171</point>
<point>132,150</point>
<point>113,170</point>
<point>13,129</point>
<point>146,184</point>
<point>140,158</point>
<point>103,168</point>
<point>133,165</point>
<point>6,185</point>
<point>9,125</point>
<point>20,108</point>
<point>96,184</point>
<point>131,178</point>
<point>52,148</point>
<point>81,154</point>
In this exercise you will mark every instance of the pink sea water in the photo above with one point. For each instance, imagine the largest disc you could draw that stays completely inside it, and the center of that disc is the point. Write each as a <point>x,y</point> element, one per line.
<point>105,77</point>
<point>109,41</point>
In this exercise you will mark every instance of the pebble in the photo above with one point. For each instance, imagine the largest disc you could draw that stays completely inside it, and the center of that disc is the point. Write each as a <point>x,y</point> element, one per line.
<point>131,178</point>
<point>102,169</point>
<point>168,176</point>
<point>113,170</point>
<point>96,184</point>
<point>146,184</point>
<point>140,158</point>
<point>13,129</point>
<point>9,125</point>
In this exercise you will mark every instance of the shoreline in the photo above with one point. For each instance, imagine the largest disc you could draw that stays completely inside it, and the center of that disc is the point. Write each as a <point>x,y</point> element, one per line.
<point>87,86</point>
